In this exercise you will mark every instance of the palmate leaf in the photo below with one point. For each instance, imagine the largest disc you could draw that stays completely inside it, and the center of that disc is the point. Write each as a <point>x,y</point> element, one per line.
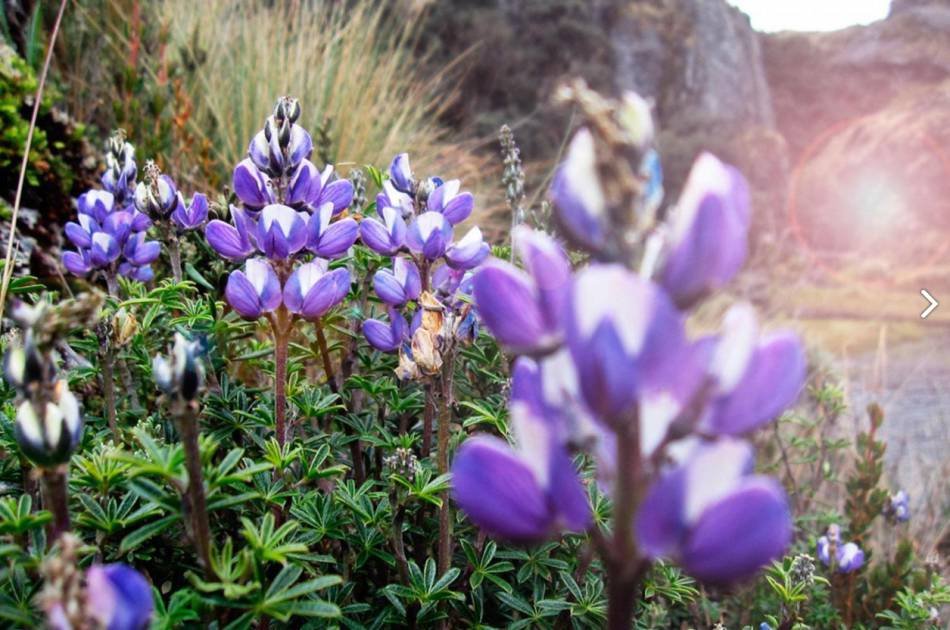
<point>268,543</point>
<point>16,517</point>
<point>286,598</point>
<point>142,534</point>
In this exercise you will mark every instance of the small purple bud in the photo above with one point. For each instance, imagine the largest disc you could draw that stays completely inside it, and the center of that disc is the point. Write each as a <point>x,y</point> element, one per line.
<point>400,173</point>
<point>250,185</point>
<point>192,216</point>
<point>446,199</point>
<point>580,206</point>
<point>387,337</point>
<point>232,241</point>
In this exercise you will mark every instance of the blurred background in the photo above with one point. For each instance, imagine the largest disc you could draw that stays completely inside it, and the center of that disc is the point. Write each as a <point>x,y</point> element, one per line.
<point>843,131</point>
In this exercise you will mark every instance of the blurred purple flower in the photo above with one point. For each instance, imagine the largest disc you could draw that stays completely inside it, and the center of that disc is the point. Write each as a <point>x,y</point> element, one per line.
<point>721,523</point>
<point>710,229</point>
<point>754,380</point>
<point>118,597</point>
<point>625,337</point>
<point>850,558</point>
<point>526,493</point>
<point>254,291</point>
<point>580,207</point>
<point>140,252</point>
<point>525,311</point>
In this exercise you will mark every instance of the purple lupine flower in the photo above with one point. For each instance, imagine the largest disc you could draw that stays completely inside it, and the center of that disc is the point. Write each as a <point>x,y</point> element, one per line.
<point>400,174</point>
<point>387,337</point>
<point>384,236</point>
<point>580,206</point>
<point>524,311</point>
<point>312,189</point>
<point>429,234</point>
<point>389,197</point>
<point>898,506</point>
<point>266,153</point>
<point>281,231</point>
<point>525,493</point>
<point>97,204</point>
<point>400,284</point>
<point>250,185</point>
<point>719,521</point>
<point>119,175</point>
<point>625,336</point>
<point>312,289</point>
<point>469,252</point>
<point>80,234</point>
<point>192,216</point>
<point>118,597</point>
<point>139,252</point>
<point>254,291</point>
<point>754,381</point>
<point>330,240</point>
<point>105,249</point>
<point>448,201</point>
<point>78,262</point>
<point>233,242</point>
<point>140,274</point>
<point>823,550</point>
<point>709,237</point>
<point>850,558</point>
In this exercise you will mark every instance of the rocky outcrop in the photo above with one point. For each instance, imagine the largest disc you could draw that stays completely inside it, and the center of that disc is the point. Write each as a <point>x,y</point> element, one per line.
<point>866,114</point>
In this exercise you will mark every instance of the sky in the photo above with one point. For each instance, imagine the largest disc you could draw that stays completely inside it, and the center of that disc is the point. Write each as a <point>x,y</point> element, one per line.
<point>811,15</point>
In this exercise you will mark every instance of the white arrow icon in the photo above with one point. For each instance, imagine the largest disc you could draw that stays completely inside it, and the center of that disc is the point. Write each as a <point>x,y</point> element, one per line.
<point>933,303</point>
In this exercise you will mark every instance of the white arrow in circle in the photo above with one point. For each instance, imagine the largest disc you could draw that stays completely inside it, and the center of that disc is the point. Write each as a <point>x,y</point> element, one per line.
<point>933,304</point>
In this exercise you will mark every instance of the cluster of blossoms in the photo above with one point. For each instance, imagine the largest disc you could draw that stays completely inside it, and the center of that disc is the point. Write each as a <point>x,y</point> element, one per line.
<point>290,210</point>
<point>110,234</point>
<point>607,367</point>
<point>430,275</point>
<point>844,557</point>
<point>48,423</point>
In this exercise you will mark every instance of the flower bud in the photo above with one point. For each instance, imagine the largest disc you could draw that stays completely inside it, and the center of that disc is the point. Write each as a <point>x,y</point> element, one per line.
<point>23,367</point>
<point>48,434</point>
<point>182,374</point>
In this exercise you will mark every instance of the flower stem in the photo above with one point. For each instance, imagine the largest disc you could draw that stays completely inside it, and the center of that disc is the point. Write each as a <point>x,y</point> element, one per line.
<point>325,356</point>
<point>445,421</point>
<point>281,345</point>
<point>201,528</point>
<point>108,384</point>
<point>56,498</point>
<point>112,283</point>
<point>625,569</point>
<point>428,415</point>
<point>174,255</point>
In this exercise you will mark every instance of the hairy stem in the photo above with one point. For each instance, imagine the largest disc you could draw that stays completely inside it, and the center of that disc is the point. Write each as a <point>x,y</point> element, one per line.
<point>112,283</point>
<point>428,416</point>
<point>625,569</point>
<point>201,528</point>
<point>445,421</point>
<point>281,346</point>
<point>108,387</point>
<point>174,255</point>
<point>325,356</point>
<point>56,499</point>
